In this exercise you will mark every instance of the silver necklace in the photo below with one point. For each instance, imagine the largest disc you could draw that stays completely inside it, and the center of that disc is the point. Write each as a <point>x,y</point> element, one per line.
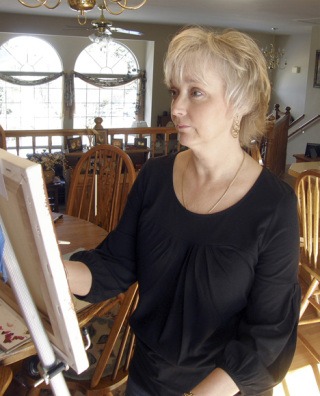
<point>222,196</point>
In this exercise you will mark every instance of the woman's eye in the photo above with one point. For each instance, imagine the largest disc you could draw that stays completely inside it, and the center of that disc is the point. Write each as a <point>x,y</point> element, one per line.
<point>173,93</point>
<point>196,93</point>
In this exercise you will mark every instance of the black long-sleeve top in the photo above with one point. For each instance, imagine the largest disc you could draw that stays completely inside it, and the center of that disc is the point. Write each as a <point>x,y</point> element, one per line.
<point>216,290</point>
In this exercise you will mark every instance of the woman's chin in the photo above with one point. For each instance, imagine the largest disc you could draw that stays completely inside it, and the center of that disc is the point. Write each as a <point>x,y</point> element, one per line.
<point>183,139</point>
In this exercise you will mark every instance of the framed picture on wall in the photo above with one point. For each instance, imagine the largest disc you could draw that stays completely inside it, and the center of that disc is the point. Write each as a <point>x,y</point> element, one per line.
<point>316,82</point>
<point>117,143</point>
<point>140,142</point>
<point>74,144</point>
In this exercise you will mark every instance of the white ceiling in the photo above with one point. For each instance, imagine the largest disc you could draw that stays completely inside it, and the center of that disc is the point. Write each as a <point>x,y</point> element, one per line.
<point>253,15</point>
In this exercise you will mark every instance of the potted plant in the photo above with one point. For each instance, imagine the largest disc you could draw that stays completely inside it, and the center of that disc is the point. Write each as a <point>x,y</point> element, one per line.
<point>52,164</point>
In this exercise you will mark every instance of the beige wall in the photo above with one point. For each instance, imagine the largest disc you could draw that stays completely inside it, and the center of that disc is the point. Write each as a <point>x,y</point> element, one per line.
<point>294,90</point>
<point>297,91</point>
<point>312,104</point>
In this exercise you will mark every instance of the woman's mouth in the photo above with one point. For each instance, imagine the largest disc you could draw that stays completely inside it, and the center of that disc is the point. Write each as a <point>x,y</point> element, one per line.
<point>182,127</point>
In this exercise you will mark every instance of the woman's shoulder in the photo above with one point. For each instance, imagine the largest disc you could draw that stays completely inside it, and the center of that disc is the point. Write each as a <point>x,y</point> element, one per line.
<point>275,192</point>
<point>275,183</point>
<point>159,165</point>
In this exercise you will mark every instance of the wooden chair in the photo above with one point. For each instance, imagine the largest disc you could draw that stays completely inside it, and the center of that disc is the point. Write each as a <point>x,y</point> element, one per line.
<point>5,378</point>
<point>3,143</point>
<point>308,193</point>
<point>254,151</point>
<point>118,348</point>
<point>100,185</point>
<point>273,146</point>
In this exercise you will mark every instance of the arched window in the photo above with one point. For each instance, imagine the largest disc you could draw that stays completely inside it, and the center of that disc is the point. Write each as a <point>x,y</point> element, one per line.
<point>31,90</point>
<point>26,60</point>
<point>116,102</point>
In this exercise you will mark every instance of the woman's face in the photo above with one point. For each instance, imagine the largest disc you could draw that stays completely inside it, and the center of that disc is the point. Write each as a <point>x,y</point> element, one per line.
<point>199,110</point>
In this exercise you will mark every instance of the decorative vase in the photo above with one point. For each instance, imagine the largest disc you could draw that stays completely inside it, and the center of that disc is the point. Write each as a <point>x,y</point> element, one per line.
<point>48,175</point>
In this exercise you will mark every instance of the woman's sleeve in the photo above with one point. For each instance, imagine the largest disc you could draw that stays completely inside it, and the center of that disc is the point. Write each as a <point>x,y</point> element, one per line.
<point>112,263</point>
<point>260,356</point>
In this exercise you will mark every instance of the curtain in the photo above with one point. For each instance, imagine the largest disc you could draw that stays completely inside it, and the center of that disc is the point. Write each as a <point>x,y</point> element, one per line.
<point>100,82</point>
<point>17,81</point>
<point>109,82</point>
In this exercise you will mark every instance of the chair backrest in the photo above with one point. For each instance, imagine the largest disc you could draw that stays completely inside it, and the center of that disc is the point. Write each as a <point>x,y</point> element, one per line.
<point>271,151</point>
<point>308,193</point>
<point>254,152</point>
<point>274,147</point>
<point>6,376</point>
<point>3,143</point>
<point>99,186</point>
<point>119,344</point>
<point>111,369</point>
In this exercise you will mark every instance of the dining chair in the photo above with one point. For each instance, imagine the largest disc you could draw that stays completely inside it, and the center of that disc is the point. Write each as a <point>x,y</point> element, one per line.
<point>111,370</point>
<point>5,378</point>
<point>99,186</point>
<point>308,194</point>
<point>271,150</point>
<point>254,152</point>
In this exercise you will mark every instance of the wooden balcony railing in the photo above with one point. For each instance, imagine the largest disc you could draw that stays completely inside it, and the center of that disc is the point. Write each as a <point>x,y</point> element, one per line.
<point>158,141</point>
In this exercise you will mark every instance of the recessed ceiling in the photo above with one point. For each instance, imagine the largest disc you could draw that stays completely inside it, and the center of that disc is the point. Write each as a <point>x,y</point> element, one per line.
<point>289,17</point>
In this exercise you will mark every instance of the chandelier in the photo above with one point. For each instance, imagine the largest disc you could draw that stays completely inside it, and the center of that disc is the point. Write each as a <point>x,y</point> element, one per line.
<point>114,7</point>
<point>274,56</point>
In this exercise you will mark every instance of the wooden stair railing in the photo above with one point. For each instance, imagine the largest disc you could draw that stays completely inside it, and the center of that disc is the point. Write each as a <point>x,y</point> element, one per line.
<point>273,146</point>
<point>302,128</point>
<point>296,121</point>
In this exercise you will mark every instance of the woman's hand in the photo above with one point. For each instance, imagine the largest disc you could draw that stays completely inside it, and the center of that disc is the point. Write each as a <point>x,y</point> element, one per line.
<point>216,384</point>
<point>79,277</point>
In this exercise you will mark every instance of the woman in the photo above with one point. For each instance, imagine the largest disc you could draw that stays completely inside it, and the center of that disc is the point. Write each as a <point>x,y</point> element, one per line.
<point>211,237</point>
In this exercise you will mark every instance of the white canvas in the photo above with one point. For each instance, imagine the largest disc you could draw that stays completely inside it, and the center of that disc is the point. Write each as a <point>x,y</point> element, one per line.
<point>25,214</point>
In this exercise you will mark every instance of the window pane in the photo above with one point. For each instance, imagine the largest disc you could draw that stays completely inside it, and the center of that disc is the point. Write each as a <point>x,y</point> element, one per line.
<point>26,53</point>
<point>25,141</point>
<point>34,106</point>
<point>57,140</point>
<point>42,140</point>
<point>116,105</point>
<point>23,153</point>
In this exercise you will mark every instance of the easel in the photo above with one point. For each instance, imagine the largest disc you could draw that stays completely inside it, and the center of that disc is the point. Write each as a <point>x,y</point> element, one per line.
<point>52,368</point>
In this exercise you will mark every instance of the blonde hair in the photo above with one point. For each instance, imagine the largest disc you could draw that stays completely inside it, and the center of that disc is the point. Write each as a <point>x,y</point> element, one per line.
<point>239,62</point>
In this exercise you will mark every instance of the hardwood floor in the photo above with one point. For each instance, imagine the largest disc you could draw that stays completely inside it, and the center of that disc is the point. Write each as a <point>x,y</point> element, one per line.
<point>303,378</point>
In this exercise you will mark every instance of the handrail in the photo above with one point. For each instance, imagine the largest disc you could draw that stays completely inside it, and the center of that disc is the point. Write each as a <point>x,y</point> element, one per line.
<point>293,123</point>
<point>302,127</point>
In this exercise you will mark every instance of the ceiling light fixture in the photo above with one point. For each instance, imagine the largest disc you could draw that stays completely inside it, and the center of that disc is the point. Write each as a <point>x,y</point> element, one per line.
<point>100,38</point>
<point>114,7</point>
<point>274,56</point>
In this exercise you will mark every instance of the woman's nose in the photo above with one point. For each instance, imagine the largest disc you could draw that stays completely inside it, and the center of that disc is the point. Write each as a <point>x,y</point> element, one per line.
<point>178,106</point>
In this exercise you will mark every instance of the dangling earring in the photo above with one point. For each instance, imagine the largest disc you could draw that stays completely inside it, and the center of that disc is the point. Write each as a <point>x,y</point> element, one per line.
<point>235,127</point>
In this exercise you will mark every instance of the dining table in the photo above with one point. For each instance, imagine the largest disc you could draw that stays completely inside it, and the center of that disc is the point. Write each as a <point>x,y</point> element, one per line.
<point>298,167</point>
<point>72,234</point>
